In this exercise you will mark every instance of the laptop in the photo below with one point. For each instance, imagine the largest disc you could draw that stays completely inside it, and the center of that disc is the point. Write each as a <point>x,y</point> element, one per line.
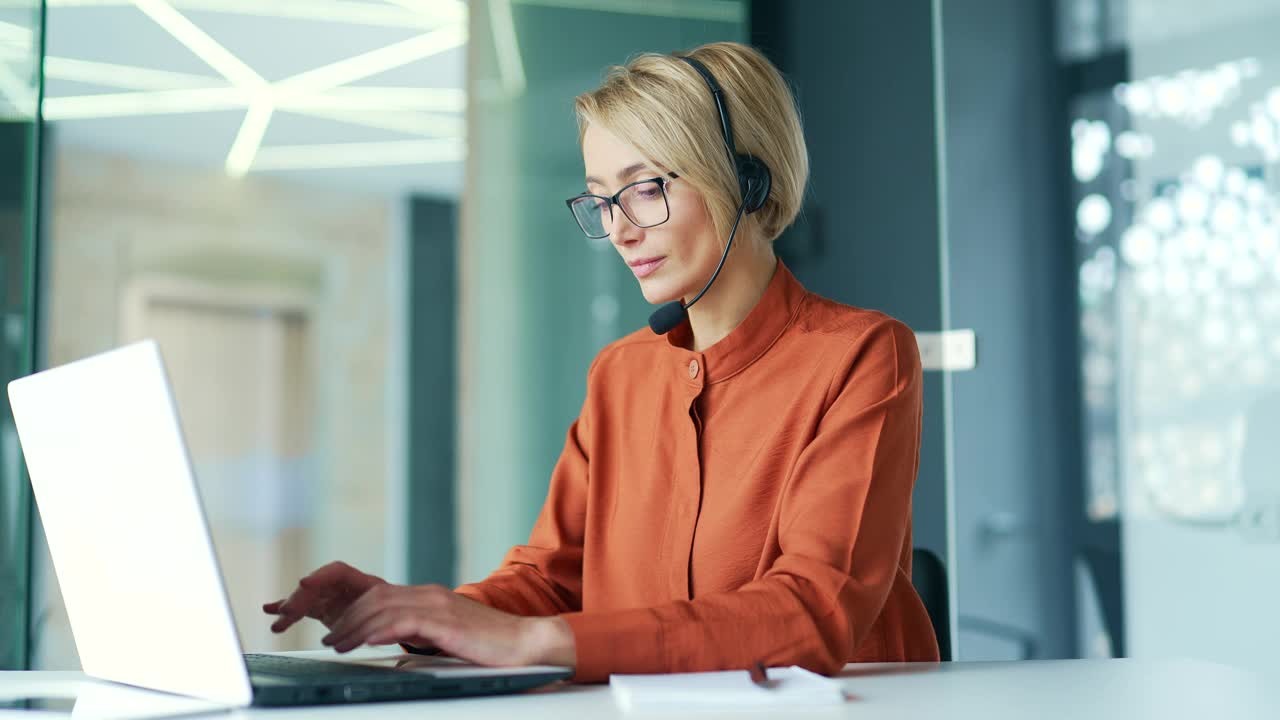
<point>132,552</point>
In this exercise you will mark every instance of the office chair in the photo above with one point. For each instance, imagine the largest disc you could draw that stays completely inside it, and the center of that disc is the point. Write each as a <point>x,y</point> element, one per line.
<point>929,577</point>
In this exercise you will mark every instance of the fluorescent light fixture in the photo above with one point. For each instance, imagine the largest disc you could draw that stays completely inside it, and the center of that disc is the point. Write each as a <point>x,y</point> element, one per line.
<point>375,61</point>
<point>441,100</point>
<point>320,92</point>
<point>415,110</point>
<point>15,35</point>
<point>249,139</point>
<point>19,98</point>
<point>412,123</point>
<point>424,15</point>
<point>510,66</point>
<point>453,10</point>
<point>729,11</point>
<point>125,77</point>
<point>162,102</point>
<point>206,48</point>
<point>14,53</point>
<point>339,155</point>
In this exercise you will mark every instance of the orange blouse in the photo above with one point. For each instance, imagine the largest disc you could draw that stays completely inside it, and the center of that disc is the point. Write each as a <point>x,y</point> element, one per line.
<point>751,502</point>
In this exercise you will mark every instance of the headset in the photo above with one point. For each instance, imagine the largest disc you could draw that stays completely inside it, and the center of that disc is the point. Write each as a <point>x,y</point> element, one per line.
<point>754,183</point>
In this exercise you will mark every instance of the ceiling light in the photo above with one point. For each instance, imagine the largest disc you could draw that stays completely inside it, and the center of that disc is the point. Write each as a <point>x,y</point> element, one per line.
<point>249,139</point>
<point>446,100</point>
<point>375,61</point>
<point>206,48</point>
<point>727,11</point>
<point>122,76</point>
<point>510,65</point>
<point>425,15</point>
<point>161,102</point>
<point>413,123</point>
<point>15,35</point>
<point>19,98</point>
<point>337,155</point>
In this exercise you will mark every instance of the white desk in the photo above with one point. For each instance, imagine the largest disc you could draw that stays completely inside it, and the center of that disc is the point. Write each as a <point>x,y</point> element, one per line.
<point>1084,689</point>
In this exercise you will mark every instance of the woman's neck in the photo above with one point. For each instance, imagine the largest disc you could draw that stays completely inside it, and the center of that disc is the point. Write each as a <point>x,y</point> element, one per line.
<point>734,294</point>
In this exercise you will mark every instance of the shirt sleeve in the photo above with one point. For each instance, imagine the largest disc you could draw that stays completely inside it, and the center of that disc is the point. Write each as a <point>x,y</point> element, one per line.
<point>544,576</point>
<point>845,514</point>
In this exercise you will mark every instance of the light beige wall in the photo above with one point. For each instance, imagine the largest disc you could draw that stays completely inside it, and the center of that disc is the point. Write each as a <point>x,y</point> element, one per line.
<point>119,224</point>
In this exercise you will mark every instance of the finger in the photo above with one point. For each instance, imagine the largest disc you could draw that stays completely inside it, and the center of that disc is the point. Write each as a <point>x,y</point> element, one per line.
<point>332,611</point>
<point>335,573</point>
<point>407,629</point>
<point>354,632</point>
<point>284,622</point>
<point>273,607</point>
<point>364,607</point>
<point>393,622</point>
<point>298,605</point>
<point>301,603</point>
<point>353,635</point>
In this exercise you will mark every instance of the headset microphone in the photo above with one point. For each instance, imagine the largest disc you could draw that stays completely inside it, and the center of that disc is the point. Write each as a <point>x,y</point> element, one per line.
<point>669,316</point>
<point>754,182</point>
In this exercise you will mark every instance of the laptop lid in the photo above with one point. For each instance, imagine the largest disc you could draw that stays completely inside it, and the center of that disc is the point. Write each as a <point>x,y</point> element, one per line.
<point>126,530</point>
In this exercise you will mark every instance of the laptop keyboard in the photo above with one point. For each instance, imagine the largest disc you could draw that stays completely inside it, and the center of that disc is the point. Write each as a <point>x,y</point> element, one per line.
<point>308,669</point>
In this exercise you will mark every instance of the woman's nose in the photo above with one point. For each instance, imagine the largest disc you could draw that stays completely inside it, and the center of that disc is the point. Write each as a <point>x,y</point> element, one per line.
<point>623,232</point>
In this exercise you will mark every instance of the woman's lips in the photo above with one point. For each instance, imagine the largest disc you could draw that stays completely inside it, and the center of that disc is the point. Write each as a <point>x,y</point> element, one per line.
<point>646,267</point>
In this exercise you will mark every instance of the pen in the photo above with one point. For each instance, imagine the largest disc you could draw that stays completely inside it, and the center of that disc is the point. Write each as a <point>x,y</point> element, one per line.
<point>760,675</point>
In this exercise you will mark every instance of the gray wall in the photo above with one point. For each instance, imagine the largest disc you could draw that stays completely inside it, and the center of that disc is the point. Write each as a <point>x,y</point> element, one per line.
<point>17,186</point>
<point>433,387</point>
<point>1011,279</point>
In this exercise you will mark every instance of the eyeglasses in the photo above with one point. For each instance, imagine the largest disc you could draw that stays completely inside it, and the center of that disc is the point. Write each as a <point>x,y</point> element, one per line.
<point>644,202</point>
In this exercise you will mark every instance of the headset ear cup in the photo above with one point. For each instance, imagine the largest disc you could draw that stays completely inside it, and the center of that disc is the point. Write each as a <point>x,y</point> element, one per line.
<point>754,182</point>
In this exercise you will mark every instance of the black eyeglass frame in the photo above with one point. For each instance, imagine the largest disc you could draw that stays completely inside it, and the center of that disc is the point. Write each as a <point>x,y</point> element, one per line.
<point>616,199</point>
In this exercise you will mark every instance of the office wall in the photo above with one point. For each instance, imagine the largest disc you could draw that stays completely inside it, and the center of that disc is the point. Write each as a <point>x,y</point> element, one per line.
<point>432,398</point>
<point>1011,278</point>
<point>17,213</point>
<point>275,305</point>
<point>22,47</point>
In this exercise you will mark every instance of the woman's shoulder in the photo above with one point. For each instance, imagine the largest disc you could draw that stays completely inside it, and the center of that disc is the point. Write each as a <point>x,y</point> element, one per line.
<point>860,342</point>
<point>823,316</point>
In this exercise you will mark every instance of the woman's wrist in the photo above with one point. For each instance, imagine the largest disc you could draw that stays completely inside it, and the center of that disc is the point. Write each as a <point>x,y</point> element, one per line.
<point>551,642</point>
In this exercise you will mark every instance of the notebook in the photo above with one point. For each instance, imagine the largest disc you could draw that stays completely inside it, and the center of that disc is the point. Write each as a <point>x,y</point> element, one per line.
<point>733,689</point>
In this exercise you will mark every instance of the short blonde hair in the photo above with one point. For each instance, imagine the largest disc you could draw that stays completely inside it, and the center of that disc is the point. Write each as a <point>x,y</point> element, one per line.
<point>662,106</point>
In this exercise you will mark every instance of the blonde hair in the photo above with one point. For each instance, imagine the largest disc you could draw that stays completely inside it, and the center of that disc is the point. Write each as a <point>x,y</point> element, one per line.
<point>663,107</point>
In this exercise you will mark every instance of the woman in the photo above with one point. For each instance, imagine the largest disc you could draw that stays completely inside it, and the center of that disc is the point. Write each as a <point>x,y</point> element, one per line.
<point>735,491</point>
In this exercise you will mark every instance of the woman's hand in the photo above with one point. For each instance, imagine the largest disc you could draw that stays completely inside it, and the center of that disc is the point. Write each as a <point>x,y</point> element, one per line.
<point>362,609</point>
<point>323,595</point>
<point>435,616</point>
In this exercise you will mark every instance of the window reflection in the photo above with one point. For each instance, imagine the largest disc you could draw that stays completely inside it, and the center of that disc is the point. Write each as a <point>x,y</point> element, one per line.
<point>1179,311</point>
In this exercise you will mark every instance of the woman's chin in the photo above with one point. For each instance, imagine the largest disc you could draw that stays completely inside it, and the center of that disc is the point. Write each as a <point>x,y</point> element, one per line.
<point>659,293</point>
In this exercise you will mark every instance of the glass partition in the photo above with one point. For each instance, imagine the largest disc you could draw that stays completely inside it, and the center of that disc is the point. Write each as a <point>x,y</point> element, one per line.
<point>1177,192</point>
<point>242,182</point>
<point>21,45</point>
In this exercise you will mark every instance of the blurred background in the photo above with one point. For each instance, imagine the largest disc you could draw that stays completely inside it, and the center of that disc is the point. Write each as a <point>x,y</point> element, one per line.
<point>343,222</point>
